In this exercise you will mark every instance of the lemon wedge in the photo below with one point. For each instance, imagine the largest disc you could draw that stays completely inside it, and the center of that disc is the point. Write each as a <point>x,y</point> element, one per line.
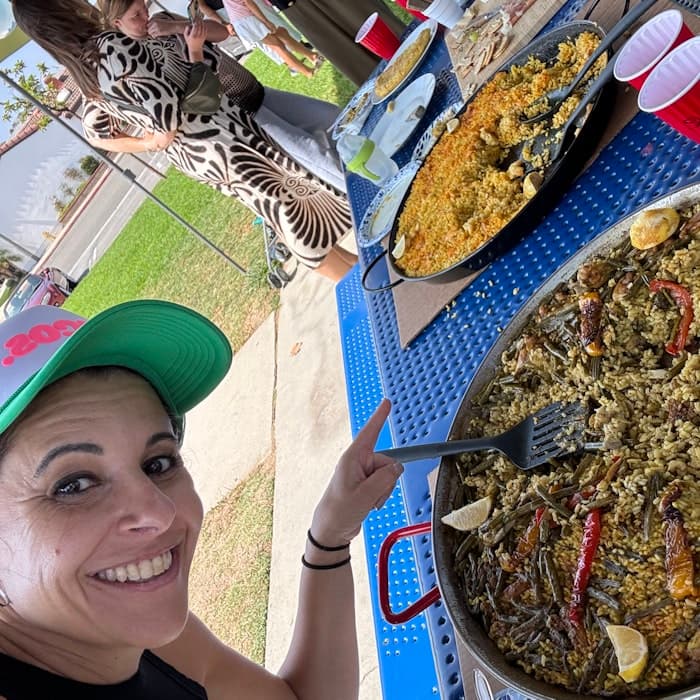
<point>631,651</point>
<point>469,517</point>
<point>399,248</point>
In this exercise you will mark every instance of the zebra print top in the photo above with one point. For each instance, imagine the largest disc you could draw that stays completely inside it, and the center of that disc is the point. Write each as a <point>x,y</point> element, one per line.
<point>226,150</point>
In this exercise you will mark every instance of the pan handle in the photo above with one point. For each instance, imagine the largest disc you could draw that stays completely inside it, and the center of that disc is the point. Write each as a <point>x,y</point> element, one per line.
<point>369,269</point>
<point>422,603</point>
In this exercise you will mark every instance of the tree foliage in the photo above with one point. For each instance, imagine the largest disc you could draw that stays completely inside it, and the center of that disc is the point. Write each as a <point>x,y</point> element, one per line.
<point>58,204</point>
<point>8,267</point>
<point>88,164</point>
<point>17,108</point>
<point>72,173</point>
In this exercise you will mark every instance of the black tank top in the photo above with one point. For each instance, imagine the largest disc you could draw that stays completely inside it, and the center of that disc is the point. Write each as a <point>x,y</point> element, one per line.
<point>155,680</point>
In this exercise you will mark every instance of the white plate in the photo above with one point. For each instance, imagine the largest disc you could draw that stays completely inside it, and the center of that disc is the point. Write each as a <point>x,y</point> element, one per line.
<point>381,213</point>
<point>348,122</point>
<point>430,24</point>
<point>397,125</point>
<point>429,139</point>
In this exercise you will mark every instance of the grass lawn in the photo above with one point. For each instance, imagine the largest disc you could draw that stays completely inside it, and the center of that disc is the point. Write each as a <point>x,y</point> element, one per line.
<point>155,257</point>
<point>231,569</point>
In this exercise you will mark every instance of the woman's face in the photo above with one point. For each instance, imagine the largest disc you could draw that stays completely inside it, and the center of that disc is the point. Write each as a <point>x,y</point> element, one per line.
<point>134,22</point>
<point>98,517</point>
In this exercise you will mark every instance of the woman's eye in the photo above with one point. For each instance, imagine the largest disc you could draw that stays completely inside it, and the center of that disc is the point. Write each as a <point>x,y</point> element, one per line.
<point>160,465</point>
<point>73,485</point>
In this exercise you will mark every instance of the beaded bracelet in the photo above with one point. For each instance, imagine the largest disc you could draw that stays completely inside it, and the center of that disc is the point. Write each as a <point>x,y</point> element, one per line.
<point>323,547</point>
<point>323,567</point>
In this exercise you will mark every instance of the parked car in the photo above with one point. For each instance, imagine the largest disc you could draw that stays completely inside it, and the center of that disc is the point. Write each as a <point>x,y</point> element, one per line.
<point>49,286</point>
<point>6,287</point>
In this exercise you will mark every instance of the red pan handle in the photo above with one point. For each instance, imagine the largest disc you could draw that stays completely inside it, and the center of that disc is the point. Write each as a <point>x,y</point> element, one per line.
<point>422,603</point>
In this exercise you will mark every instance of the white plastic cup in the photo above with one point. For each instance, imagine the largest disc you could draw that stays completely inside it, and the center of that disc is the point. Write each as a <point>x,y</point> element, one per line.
<point>362,157</point>
<point>648,45</point>
<point>446,12</point>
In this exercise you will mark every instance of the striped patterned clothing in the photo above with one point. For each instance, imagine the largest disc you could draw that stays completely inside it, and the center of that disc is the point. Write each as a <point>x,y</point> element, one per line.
<point>226,150</point>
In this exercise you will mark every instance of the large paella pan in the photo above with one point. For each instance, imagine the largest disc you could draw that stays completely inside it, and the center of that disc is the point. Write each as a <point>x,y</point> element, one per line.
<point>484,184</point>
<point>604,540</point>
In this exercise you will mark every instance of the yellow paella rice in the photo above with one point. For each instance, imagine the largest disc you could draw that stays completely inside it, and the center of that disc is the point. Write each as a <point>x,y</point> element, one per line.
<point>462,195</point>
<point>398,69</point>
<point>639,493</point>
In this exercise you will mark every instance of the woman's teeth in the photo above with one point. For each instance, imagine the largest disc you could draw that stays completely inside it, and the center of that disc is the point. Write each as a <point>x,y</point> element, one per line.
<point>138,571</point>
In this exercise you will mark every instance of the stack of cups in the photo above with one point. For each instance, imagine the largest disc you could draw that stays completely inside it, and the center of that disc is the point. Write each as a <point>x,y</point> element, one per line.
<point>662,61</point>
<point>375,35</point>
<point>445,12</point>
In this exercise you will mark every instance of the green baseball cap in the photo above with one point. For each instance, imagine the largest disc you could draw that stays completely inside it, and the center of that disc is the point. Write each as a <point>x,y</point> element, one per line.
<point>182,354</point>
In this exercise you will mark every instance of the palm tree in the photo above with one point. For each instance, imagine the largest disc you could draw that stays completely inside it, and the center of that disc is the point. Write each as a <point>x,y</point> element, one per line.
<point>8,268</point>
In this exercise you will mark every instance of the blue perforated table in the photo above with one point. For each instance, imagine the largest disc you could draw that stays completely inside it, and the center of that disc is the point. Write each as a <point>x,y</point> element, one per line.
<point>427,380</point>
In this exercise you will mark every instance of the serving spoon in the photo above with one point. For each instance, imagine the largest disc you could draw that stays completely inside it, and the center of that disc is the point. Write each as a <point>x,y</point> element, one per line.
<point>552,141</point>
<point>555,97</point>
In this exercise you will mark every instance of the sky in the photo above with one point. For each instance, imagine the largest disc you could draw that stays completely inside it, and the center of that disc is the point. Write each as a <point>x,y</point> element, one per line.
<point>31,54</point>
<point>32,172</point>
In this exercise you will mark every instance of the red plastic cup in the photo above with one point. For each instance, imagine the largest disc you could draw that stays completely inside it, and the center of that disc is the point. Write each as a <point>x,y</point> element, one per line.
<point>648,45</point>
<point>415,13</point>
<point>375,35</point>
<point>672,90</point>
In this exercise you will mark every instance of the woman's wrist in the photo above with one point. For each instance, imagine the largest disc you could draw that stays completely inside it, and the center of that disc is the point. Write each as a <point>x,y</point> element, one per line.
<point>325,567</point>
<point>324,531</point>
<point>325,547</point>
<point>315,558</point>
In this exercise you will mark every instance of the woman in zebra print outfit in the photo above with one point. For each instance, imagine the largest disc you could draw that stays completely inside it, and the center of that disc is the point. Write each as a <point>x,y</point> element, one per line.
<point>140,83</point>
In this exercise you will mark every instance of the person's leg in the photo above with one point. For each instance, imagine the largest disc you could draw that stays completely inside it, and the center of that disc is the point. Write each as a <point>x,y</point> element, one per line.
<point>305,138</point>
<point>336,264</point>
<point>292,44</point>
<point>307,113</point>
<point>274,43</point>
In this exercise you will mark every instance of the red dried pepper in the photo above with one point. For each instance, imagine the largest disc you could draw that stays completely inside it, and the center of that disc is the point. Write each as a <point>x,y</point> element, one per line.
<point>589,545</point>
<point>511,562</point>
<point>684,301</point>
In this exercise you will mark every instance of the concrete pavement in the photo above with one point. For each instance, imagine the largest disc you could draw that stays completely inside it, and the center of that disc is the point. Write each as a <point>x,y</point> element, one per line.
<point>285,394</point>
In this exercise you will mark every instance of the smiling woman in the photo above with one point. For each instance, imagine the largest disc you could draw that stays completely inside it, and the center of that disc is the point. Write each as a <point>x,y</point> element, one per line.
<point>99,519</point>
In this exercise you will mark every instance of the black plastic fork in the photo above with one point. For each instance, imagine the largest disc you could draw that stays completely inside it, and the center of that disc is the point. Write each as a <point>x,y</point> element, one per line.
<point>553,431</point>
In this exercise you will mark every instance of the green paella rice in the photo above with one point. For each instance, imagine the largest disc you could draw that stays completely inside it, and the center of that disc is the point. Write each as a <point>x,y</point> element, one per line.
<point>643,483</point>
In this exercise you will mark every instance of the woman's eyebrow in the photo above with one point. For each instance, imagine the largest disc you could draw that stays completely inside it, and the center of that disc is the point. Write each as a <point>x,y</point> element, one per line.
<point>87,447</point>
<point>91,448</point>
<point>157,437</point>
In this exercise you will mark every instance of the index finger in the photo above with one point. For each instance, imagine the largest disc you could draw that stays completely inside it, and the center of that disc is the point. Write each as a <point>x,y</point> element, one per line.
<point>367,437</point>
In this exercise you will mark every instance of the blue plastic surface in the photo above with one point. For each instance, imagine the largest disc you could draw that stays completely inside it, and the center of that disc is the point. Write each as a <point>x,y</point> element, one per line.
<point>426,381</point>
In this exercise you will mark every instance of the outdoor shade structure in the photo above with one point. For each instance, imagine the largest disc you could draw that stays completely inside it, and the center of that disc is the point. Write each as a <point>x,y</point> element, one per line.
<point>12,39</point>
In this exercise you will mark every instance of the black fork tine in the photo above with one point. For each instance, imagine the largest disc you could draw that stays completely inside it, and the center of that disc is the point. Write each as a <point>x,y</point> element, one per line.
<point>556,433</point>
<point>551,418</point>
